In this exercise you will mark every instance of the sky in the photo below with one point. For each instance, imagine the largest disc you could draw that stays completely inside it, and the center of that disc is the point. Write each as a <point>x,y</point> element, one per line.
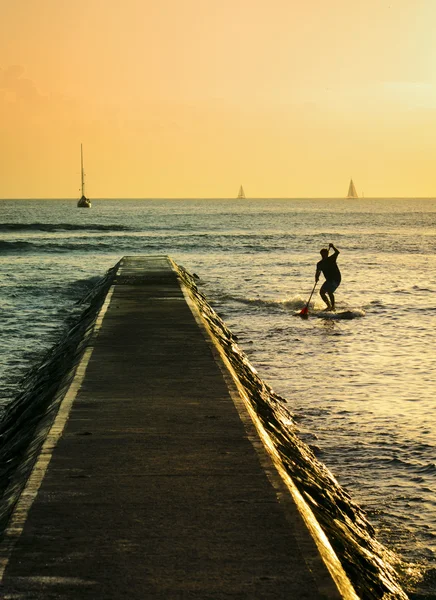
<point>192,98</point>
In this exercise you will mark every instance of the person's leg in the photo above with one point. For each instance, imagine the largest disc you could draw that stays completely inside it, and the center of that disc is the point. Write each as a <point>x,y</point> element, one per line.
<point>331,287</point>
<point>323,294</point>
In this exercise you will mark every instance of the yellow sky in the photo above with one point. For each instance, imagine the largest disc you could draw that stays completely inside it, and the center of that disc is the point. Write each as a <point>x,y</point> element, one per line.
<point>191,98</point>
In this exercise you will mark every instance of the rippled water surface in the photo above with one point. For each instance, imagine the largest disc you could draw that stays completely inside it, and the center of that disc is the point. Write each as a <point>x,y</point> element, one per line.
<point>362,389</point>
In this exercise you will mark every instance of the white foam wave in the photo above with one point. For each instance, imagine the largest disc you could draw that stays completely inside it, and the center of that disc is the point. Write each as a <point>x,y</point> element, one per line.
<point>296,303</point>
<point>293,303</point>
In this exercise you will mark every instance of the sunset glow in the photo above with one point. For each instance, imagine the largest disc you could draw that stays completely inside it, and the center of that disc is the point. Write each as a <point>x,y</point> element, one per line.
<point>195,98</point>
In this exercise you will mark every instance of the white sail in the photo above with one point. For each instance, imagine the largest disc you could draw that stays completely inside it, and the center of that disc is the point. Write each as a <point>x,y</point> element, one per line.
<point>352,190</point>
<point>241,193</point>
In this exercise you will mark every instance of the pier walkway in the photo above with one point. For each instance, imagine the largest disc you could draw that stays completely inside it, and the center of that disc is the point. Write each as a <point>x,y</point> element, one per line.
<point>153,482</point>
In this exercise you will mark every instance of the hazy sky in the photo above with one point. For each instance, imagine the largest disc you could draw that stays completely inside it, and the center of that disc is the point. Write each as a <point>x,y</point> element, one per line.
<point>191,98</point>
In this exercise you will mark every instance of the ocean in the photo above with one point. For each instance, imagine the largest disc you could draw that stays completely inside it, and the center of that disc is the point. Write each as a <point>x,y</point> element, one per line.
<point>360,388</point>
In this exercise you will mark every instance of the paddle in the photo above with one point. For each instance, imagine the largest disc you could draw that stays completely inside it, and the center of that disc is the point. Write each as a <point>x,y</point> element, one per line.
<point>305,311</point>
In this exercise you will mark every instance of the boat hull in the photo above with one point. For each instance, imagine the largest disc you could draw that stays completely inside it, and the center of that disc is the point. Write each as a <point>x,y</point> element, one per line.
<point>84,202</point>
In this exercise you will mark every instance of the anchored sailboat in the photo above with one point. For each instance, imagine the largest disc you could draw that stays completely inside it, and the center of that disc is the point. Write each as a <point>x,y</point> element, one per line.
<point>241,193</point>
<point>84,202</point>
<point>352,190</point>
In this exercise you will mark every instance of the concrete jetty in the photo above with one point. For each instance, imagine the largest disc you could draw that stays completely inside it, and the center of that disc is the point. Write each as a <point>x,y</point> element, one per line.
<point>154,481</point>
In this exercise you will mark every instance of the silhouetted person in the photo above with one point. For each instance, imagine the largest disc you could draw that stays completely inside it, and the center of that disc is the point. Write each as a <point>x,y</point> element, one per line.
<point>329,268</point>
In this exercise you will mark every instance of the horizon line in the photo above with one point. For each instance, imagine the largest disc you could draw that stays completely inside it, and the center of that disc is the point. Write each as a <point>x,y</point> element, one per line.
<point>242,201</point>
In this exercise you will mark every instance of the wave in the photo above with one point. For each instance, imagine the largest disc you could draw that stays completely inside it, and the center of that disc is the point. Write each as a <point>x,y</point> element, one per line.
<point>120,244</point>
<point>293,304</point>
<point>87,246</point>
<point>409,465</point>
<point>53,227</point>
<point>428,468</point>
<point>290,303</point>
<point>14,246</point>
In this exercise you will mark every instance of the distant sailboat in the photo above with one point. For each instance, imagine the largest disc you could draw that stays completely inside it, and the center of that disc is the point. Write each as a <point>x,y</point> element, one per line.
<point>84,202</point>
<point>241,193</point>
<point>352,190</point>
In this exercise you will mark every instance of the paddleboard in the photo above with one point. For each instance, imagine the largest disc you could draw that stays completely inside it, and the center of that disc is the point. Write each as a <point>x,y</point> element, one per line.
<point>341,315</point>
<point>335,316</point>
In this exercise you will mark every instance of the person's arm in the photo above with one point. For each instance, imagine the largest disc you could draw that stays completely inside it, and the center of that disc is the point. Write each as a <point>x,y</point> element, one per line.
<point>317,274</point>
<point>335,250</point>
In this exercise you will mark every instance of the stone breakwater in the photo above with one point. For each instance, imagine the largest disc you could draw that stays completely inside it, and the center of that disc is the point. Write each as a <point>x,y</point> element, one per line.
<point>27,419</point>
<point>369,565</point>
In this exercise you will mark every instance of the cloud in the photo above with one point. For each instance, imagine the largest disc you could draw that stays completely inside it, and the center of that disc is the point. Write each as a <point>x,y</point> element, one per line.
<point>24,108</point>
<point>16,88</point>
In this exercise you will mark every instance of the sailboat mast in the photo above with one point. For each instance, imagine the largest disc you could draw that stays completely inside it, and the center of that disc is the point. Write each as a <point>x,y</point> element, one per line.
<point>81,167</point>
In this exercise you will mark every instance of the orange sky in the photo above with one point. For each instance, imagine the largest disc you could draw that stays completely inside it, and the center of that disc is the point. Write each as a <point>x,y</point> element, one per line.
<point>191,98</point>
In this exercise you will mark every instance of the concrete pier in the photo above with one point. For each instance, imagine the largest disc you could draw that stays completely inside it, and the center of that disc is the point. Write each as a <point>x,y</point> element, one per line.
<point>153,482</point>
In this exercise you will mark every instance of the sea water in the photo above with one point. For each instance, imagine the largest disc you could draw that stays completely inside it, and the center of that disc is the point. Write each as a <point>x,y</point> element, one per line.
<point>360,388</point>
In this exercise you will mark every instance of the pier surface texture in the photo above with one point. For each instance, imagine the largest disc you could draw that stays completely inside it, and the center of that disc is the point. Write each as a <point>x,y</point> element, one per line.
<point>153,482</point>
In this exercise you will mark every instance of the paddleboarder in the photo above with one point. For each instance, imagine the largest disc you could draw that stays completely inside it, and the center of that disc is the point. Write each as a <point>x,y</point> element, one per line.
<point>329,268</point>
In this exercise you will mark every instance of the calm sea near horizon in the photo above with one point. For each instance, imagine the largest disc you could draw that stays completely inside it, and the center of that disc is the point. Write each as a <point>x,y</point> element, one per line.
<point>361,389</point>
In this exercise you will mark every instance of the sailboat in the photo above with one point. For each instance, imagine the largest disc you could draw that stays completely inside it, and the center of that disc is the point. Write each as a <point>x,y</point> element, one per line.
<point>84,202</point>
<point>352,190</point>
<point>241,193</point>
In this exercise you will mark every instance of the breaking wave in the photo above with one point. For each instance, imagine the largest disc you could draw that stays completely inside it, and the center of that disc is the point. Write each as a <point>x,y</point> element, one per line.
<point>295,303</point>
<point>288,303</point>
<point>53,227</point>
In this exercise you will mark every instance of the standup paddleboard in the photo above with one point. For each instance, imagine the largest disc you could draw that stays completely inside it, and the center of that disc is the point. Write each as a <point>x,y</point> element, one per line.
<point>343,315</point>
